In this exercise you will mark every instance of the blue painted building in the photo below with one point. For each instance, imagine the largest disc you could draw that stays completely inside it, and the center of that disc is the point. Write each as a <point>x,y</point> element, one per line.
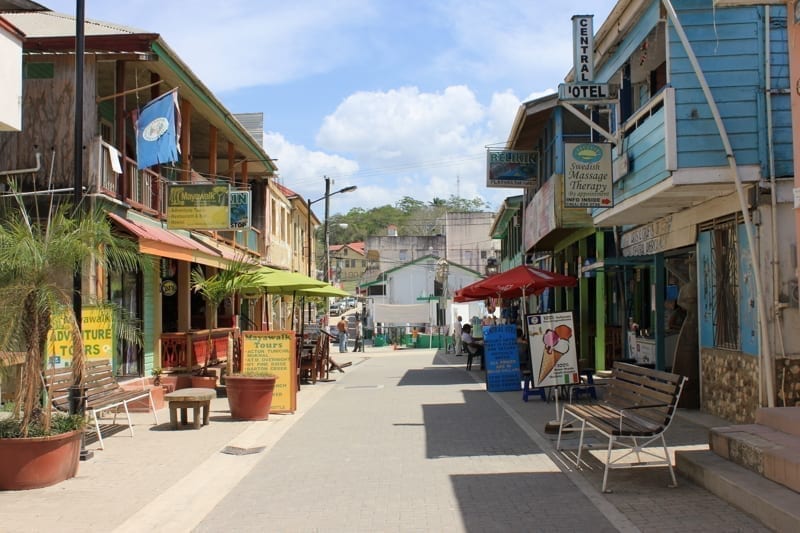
<point>690,266</point>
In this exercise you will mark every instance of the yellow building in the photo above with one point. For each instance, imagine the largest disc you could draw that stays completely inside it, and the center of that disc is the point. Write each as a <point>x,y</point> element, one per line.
<point>348,263</point>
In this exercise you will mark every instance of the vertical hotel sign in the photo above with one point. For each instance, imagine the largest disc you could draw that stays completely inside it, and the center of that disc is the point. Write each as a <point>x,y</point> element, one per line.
<point>511,169</point>
<point>198,206</point>
<point>587,175</point>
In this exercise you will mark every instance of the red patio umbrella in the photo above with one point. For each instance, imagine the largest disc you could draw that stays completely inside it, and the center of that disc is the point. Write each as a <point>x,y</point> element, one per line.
<point>518,282</point>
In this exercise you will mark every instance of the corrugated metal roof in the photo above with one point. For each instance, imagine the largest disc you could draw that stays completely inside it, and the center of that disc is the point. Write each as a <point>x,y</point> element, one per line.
<point>51,24</point>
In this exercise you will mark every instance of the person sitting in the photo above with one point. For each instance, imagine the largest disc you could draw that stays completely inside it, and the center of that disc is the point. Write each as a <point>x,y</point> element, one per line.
<point>474,347</point>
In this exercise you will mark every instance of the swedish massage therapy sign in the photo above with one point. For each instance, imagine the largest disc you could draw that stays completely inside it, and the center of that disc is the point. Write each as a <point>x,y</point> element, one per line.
<point>553,349</point>
<point>273,353</point>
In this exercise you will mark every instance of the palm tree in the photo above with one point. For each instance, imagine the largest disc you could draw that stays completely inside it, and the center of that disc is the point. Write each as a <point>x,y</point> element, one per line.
<point>238,275</point>
<point>38,256</point>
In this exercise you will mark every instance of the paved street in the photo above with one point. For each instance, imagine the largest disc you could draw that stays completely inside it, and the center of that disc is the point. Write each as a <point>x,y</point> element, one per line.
<point>402,441</point>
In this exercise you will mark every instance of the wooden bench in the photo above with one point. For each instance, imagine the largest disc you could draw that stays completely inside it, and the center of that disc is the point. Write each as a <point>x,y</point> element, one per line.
<point>637,408</point>
<point>101,390</point>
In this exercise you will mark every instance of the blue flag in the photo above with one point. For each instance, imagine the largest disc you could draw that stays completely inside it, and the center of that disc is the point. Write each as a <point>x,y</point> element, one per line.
<point>156,132</point>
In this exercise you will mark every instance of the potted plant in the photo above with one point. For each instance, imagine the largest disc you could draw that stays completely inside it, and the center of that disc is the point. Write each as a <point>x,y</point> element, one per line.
<point>215,289</point>
<point>38,254</point>
<point>249,397</point>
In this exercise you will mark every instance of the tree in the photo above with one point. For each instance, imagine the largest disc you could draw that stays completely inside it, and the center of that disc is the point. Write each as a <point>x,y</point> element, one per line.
<point>37,259</point>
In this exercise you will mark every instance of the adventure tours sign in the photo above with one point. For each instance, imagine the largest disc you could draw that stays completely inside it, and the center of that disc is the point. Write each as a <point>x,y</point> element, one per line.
<point>97,330</point>
<point>587,175</point>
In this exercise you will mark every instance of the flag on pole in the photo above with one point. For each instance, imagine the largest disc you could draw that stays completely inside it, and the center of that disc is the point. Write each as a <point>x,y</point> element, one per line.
<point>157,131</point>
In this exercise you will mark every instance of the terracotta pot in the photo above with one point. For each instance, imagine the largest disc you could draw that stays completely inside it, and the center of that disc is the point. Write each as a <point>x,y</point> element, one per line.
<point>250,397</point>
<point>38,462</point>
<point>208,382</point>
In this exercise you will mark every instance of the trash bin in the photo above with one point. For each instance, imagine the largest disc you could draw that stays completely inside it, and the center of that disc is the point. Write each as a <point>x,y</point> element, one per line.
<point>380,340</point>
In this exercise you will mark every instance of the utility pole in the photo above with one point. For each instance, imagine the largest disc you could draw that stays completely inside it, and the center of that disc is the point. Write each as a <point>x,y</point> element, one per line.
<point>327,275</point>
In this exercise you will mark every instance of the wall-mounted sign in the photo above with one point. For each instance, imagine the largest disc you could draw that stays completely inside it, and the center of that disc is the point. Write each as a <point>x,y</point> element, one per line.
<point>581,92</point>
<point>240,209</point>
<point>511,169</point>
<point>169,287</point>
<point>587,175</point>
<point>198,206</point>
<point>97,332</point>
<point>583,47</point>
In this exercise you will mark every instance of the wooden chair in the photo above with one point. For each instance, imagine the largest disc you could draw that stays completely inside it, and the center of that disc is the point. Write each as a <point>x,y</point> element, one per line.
<point>311,361</point>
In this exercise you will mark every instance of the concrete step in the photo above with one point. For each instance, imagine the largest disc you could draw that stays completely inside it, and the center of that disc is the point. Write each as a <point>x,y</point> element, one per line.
<point>785,419</point>
<point>774,505</point>
<point>762,450</point>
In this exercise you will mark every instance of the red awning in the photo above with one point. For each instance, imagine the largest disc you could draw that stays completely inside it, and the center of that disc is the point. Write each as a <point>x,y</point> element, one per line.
<point>162,242</point>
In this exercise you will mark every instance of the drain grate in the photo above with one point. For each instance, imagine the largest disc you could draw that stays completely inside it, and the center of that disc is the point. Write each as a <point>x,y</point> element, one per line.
<point>363,387</point>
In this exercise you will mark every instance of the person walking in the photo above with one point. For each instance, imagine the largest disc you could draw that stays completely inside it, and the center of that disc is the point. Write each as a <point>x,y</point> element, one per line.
<point>359,345</point>
<point>457,329</point>
<point>341,327</point>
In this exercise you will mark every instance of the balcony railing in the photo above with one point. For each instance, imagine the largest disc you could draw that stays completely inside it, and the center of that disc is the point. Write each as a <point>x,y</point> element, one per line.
<point>146,191</point>
<point>190,349</point>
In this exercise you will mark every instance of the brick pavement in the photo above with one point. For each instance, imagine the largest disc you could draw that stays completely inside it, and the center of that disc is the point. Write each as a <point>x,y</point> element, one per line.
<point>402,441</point>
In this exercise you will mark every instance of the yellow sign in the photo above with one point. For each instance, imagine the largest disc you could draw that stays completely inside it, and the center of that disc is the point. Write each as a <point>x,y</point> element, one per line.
<point>273,353</point>
<point>97,331</point>
<point>197,206</point>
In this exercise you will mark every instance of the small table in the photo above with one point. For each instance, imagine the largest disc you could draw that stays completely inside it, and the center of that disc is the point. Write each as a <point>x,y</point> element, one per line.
<point>196,398</point>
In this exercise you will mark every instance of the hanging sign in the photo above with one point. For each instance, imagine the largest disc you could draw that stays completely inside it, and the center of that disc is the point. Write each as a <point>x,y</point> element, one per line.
<point>240,209</point>
<point>273,353</point>
<point>199,207</point>
<point>587,175</point>
<point>511,169</point>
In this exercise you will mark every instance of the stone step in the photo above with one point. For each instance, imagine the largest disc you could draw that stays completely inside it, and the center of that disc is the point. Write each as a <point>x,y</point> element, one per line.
<point>763,450</point>
<point>785,419</point>
<point>772,504</point>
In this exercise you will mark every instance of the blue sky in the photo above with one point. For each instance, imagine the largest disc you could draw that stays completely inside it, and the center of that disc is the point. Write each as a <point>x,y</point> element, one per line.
<point>398,97</point>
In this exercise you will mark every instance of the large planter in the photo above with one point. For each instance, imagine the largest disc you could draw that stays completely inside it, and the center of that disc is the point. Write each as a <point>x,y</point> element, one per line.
<point>38,462</point>
<point>206,382</point>
<point>250,397</point>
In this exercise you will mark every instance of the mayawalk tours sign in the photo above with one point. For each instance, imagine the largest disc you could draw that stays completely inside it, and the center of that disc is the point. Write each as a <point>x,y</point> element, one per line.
<point>199,207</point>
<point>587,175</point>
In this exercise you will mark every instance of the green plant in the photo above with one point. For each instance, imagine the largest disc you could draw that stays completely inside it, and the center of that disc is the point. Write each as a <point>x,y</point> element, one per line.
<point>156,373</point>
<point>238,276</point>
<point>11,428</point>
<point>39,253</point>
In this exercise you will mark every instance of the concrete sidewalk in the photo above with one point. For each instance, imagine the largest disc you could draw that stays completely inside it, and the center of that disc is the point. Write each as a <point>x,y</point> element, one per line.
<point>163,480</point>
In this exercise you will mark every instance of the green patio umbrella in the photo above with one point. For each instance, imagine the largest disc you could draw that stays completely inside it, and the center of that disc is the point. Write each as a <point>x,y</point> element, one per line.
<point>274,281</point>
<point>328,290</point>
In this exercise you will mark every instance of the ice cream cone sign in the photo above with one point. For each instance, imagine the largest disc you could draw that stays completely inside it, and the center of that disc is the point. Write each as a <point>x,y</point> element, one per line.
<point>556,344</point>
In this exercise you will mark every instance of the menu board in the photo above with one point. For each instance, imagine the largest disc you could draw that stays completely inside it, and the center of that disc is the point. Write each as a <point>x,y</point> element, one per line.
<point>502,361</point>
<point>273,353</point>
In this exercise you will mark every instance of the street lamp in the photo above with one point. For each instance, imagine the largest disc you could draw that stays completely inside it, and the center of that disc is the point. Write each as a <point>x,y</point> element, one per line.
<point>327,196</point>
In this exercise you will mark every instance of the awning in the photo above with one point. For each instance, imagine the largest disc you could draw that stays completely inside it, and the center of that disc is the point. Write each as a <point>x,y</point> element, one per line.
<point>162,242</point>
